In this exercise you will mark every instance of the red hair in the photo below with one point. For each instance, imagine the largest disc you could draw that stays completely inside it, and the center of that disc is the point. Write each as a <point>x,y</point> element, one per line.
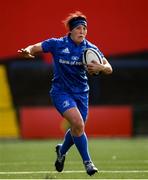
<point>72,16</point>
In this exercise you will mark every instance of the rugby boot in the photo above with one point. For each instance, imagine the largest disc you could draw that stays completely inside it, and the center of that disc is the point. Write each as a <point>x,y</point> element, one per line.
<point>59,163</point>
<point>90,168</point>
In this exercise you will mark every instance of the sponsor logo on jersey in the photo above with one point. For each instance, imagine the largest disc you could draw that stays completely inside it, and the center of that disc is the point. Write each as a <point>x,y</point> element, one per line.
<point>62,61</point>
<point>74,58</point>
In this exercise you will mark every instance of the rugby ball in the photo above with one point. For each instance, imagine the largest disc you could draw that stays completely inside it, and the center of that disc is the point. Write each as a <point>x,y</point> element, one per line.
<point>90,55</point>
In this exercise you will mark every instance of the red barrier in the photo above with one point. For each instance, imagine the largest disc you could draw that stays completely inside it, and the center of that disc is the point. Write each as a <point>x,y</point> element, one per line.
<point>110,121</point>
<point>41,123</point>
<point>115,121</point>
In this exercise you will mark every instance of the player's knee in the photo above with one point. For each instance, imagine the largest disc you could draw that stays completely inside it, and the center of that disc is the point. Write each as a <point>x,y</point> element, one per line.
<point>78,128</point>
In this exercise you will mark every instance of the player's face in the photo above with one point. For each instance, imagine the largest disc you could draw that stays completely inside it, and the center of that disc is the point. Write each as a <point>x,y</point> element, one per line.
<point>78,34</point>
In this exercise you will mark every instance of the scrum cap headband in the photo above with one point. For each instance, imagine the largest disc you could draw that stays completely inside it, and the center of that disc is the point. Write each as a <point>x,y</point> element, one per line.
<point>76,22</point>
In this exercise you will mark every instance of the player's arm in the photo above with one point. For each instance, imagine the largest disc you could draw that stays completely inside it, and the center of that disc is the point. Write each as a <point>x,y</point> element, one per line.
<point>95,67</point>
<point>31,51</point>
<point>107,67</point>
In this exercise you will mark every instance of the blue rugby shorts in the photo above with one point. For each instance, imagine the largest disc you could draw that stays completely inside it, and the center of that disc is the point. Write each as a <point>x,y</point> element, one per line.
<point>64,101</point>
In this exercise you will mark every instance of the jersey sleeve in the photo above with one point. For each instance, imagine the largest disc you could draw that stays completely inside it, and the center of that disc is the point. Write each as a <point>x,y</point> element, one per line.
<point>49,45</point>
<point>102,55</point>
<point>96,48</point>
<point>90,45</point>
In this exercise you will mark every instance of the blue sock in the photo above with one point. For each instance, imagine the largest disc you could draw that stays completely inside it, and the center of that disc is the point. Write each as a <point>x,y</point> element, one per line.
<point>68,142</point>
<point>81,143</point>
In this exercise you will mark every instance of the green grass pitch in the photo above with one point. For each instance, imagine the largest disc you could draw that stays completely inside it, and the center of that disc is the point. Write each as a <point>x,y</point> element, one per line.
<point>34,159</point>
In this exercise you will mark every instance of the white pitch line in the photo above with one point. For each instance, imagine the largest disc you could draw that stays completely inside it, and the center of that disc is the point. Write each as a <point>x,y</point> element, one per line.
<point>75,162</point>
<point>81,171</point>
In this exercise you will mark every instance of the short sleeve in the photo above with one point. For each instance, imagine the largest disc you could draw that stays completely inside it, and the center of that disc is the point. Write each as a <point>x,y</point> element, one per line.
<point>96,48</point>
<point>49,45</point>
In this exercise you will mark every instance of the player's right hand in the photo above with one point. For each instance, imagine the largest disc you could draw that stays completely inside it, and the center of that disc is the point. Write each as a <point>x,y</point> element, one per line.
<point>25,53</point>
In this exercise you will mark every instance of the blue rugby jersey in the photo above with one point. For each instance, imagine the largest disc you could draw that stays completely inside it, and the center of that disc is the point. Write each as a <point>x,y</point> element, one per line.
<point>69,71</point>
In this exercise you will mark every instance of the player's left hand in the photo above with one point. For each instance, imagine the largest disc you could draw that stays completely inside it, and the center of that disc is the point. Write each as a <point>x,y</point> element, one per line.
<point>94,67</point>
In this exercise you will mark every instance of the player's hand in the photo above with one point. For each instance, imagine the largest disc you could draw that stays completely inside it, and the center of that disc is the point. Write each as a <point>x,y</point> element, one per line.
<point>94,67</point>
<point>25,53</point>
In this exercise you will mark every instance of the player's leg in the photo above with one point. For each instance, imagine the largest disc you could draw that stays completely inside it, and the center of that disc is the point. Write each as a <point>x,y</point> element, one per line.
<point>67,143</point>
<point>62,102</point>
<point>62,149</point>
<point>79,137</point>
<point>77,130</point>
<point>82,104</point>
